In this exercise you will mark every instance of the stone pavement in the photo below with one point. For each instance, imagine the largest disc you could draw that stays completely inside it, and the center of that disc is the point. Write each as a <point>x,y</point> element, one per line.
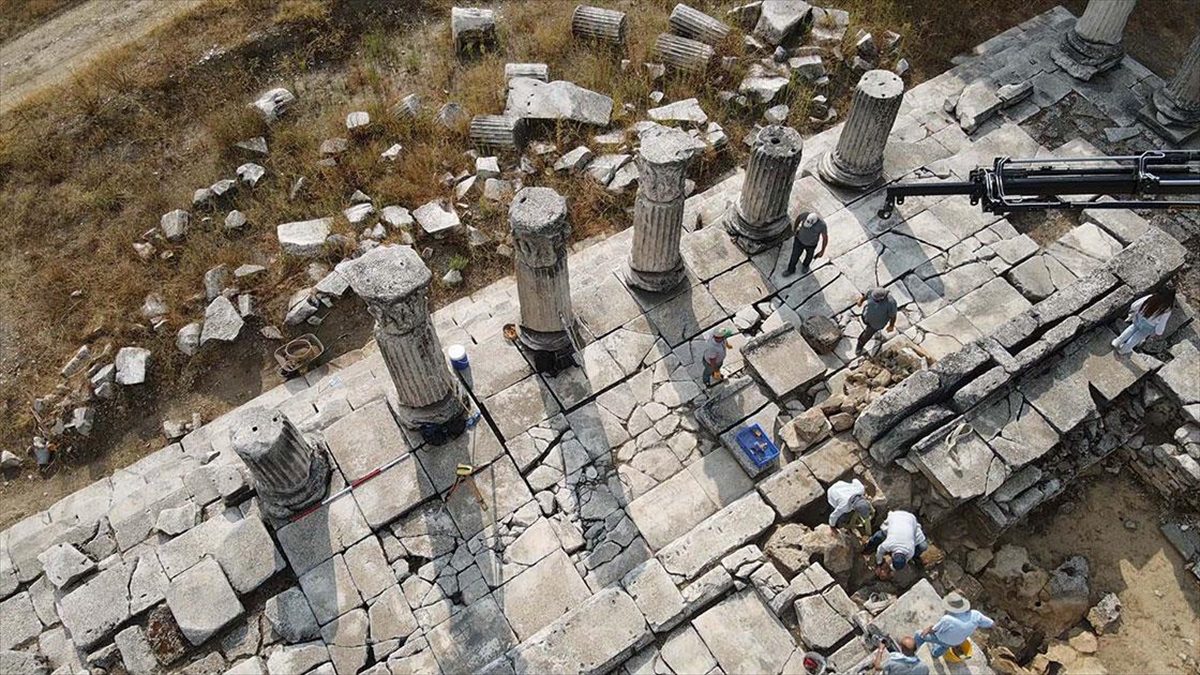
<point>617,528</point>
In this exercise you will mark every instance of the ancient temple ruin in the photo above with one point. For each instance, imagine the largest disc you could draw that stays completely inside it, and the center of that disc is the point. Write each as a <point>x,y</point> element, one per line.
<point>574,498</point>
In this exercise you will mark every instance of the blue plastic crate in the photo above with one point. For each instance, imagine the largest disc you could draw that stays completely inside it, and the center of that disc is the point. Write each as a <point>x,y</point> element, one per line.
<point>757,445</point>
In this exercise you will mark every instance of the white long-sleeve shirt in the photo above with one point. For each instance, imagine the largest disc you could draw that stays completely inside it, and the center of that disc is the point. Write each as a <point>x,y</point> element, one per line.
<point>904,534</point>
<point>839,496</point>
<point>1159,322</point>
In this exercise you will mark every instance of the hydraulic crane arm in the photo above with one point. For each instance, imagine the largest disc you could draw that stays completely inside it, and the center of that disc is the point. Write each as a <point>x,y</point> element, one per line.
<point>1028,184</point>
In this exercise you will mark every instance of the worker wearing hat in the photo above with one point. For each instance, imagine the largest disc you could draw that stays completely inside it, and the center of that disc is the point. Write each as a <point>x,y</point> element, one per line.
<point>714,355</point>
<point>952,632</point>
<point>810,230</point>
<point>880,312</point>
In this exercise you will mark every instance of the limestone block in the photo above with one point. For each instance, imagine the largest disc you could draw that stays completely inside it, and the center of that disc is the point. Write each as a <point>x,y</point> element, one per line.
<point>18,621</point>
<point>791,490</point>
<point>202,601</point>
<point>543,593</point>
<point>590,639</point>
<point>655,595</point>
<point>92,611</point>
<point>291,617</point>
<point>744,635</point>
<point>821,626</point>
<point>783,359</point>
<point>559,100</point>
<point>304,239</point>
<point>476,636</point>
<point>63,564</point>
<point>727,529</point>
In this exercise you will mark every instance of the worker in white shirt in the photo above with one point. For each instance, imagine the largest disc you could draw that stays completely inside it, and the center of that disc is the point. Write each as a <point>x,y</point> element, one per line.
<point>897,542</point>
<point>850,507</point>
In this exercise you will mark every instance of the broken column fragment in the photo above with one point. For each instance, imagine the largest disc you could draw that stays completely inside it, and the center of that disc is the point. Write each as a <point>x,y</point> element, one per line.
<point>1174,110</point>
<point>680,53</point>
<point>597,23</point>
<point>289,473</point>
<point>857,161</point>
<point>540,227</point>
<point>760,217</point>
<point>498,132</point>
<point>473,30</point>
<point>1093,45</point>
<point>394,282</point>
<point>654,260</point>
<point>696,25</point>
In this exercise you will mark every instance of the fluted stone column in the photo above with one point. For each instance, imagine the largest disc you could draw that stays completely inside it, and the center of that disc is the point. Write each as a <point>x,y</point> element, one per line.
<point>289,473</point>
<point>540,228</point>
<point>680,53</point>
<point>1093,44</point>
<point>760,217</point>
<point>654,260</point>
<point>1174,110</point>
<point>598,23</point>
<point>696,25</point>
<point>497,132</point>
<point>394,282</point>
<point>857,161</point>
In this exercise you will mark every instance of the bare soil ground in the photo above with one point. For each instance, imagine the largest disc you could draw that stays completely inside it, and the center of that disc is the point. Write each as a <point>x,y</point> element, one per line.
<point>1160,599</point>
<point>51,52</point>
<point>128,115</point>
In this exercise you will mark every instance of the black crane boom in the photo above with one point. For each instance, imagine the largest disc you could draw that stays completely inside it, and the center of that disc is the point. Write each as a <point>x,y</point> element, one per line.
<point>1028,184</point>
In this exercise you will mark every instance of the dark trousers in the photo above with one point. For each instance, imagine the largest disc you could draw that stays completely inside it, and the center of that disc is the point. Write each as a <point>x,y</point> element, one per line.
<point>797,249</point>
<point>865,337</point>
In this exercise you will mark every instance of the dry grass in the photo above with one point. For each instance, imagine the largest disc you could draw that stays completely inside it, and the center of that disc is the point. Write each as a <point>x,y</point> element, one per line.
<point>88,168</point>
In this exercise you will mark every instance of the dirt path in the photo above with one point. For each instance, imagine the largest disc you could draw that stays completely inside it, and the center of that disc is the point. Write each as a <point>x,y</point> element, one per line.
<point>1159,597</point>
<point>48,54</point>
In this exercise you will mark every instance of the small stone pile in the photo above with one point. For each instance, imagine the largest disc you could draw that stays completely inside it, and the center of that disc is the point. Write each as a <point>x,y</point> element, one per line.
<point>868,381</point>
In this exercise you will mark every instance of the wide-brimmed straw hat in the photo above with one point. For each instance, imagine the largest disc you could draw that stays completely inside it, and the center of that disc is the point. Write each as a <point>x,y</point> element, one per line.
<point>956,604</point>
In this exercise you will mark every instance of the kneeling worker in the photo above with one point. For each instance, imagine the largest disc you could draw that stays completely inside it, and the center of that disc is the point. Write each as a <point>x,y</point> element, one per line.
<point>851,508</point>
<point>898,541</point>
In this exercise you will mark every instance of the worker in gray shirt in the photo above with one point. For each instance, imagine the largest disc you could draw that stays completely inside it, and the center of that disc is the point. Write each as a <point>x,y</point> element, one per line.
<point>809,231</point>
<point>880,312</point>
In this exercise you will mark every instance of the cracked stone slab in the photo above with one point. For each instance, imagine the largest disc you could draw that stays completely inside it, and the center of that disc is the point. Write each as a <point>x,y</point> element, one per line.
<point>525,404</point>
<point>477,446</point>
<point>709,252</point>
<point>1063,394</point>
<point>503,491</point>
<point>783,360</point>
<point>1084,248</point>
<point>93,611</point>
<point>473,638</point>
<point>967,470</point>
<point>601,302</point>
<point>686,315</point>
<point>670,509</point>
<point>365,439</point>
<point>744,635</point>
<point>496,364</point>
<point>318,536</point>
<point>592,638</point>
<point>542,594</point>
<point>330,589</point>
<point>990,305</point>
<point>19,621</point>
<point>720,533</point>
<point>1014,429</point>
